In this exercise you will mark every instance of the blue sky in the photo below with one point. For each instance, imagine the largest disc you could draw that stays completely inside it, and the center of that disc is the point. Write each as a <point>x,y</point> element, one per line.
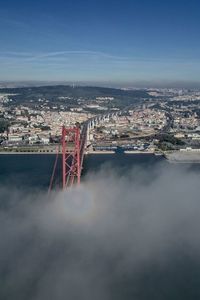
<point>121,41</point>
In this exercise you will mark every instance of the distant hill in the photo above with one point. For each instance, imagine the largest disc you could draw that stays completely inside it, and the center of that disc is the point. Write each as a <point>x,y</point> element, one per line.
<point>63,94</point>
<point>52,92</point>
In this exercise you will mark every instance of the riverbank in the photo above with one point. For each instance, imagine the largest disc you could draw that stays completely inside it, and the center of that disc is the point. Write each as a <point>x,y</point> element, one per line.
<point>100,152</point>
<point>29,153</point>
<point>138,152</point>
<point>183,157</point>
<point>86,153</point>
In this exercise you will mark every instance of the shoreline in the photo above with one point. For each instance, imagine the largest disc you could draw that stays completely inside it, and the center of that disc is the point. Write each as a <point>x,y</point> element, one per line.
<point>183,161</point>
<point>138,152</point>
<point>29,153</point>
<point>86,153</point>
<point>183,157</point>
<point>26,152</point>
<point>100,152</point>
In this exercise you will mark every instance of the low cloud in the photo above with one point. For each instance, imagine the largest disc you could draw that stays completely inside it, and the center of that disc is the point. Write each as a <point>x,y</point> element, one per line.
<point>131,236</point>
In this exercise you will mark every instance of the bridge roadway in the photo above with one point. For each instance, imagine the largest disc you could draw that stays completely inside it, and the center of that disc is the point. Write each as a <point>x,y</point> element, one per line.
<point>83,142</point>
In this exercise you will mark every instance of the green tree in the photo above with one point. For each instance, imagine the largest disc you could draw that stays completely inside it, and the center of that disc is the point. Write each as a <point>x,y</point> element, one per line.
<point>3,125</point>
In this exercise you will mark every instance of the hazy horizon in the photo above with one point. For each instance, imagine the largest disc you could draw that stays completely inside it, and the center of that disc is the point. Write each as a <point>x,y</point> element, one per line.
<point>131,85</point>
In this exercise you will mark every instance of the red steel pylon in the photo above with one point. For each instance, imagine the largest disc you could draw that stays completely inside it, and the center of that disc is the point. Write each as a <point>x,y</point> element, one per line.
<point>71,161</point>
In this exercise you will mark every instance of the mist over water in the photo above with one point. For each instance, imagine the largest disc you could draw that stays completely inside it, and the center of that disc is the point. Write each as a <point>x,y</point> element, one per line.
<point>120,235</point>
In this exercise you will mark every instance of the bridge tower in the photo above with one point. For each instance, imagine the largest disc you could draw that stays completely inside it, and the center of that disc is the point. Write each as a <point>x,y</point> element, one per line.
<point>71,156</point>
<point>73,145</point>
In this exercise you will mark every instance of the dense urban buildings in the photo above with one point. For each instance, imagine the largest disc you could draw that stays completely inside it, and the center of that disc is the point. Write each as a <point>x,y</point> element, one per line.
<point>148,119</point>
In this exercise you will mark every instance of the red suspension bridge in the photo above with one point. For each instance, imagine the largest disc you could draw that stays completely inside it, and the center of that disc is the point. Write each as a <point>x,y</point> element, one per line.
<point>73,144</point>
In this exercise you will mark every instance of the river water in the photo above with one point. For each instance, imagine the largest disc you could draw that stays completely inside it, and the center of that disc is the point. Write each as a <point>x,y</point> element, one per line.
<point>35,170</point>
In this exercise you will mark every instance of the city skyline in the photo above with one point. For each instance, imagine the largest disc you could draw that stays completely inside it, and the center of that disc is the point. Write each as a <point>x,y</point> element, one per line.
<point>124,43</point>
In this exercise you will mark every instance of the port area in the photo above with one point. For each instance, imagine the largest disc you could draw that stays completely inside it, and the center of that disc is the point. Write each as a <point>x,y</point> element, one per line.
<point>90,149</point>
<point>40,152</point>
<point>116,152</point>
<point>187,155</point>
<point>31,150</point>
<point>120,150</point>
<point>54,149</point>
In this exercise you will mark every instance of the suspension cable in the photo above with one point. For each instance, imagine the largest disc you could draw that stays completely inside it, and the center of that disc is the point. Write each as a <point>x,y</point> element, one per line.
<point>54,170</point>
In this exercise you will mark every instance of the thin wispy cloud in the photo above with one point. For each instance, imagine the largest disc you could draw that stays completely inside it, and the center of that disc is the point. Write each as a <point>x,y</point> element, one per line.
<point>80,52</point>
<point>89,64</point>
<point>57,55</point>
<point>64,54</point>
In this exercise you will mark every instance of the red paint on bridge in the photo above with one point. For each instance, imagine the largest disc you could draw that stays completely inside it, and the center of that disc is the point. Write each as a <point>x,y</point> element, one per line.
<point>73,144</point>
